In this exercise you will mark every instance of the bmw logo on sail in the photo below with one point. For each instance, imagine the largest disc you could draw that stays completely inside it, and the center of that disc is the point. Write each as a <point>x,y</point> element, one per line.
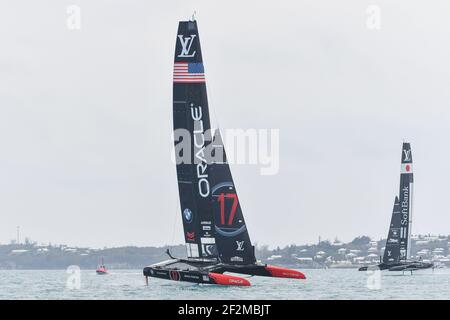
<point>188,215</point>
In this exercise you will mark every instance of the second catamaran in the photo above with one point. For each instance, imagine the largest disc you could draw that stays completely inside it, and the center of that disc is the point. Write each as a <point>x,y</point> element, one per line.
<point>397,255</point>
<point>216,235</point>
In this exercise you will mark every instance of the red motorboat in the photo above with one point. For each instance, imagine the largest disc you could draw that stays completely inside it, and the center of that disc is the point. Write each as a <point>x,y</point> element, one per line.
<point>101,269</point>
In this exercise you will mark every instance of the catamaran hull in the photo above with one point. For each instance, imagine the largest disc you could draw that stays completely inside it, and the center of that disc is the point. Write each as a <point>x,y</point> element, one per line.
<point>213,273</point>
<point>196,277</point>
<point>406,266</point>
<point>412,267</point>
<point>263,271</point>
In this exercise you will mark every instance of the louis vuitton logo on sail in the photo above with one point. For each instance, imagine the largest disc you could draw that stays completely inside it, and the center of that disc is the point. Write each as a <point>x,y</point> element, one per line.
<point>186,45</point>
<point>407,154</point>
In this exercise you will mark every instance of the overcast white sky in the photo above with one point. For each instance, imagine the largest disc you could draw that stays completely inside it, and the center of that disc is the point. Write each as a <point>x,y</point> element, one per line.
<point>86,116</point>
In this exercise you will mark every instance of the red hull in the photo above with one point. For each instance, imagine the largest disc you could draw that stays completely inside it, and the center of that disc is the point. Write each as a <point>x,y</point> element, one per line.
<point>227,280</point>
<point>101,271</point>
<point>279,272</point>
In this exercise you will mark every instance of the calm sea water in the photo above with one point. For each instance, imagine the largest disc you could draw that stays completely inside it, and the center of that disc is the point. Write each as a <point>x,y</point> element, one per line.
<point>321,284</point>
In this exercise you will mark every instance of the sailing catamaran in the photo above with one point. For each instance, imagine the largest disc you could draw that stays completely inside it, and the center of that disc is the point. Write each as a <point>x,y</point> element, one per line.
<point>398,243</point>
<point>216,235</point>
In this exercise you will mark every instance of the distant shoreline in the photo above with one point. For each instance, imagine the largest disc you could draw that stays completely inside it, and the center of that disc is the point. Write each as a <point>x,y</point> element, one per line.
<point>325,254</point>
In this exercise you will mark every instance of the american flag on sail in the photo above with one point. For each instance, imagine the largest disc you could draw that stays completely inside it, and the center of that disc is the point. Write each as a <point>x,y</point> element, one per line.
<point>188,72</point>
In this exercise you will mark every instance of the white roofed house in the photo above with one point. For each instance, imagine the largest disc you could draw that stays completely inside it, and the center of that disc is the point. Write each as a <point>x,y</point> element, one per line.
<point>372,259</point>
<point>305,259</point>
<point>424,253</point>
<point>372,250</point>
<point>337,243</point>
<point>319,255</point>
<point>42,250</point>
<point>372,255</point>
<point>350,255</point>
<point>18,251</point>
<point>445,261</point>
<point>438,251</point>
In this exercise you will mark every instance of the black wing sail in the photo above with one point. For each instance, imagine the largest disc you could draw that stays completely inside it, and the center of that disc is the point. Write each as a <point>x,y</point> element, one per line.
<point>191,131</point>
<point>392,249</point>
<point>232,238</point>
<point>406,196</point>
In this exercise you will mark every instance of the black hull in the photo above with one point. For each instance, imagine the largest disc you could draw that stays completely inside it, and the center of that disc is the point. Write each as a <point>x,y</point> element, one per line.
<point>178,275</point>
<point>212,272</point>
<point>194,272</point>
<point>402,266</point>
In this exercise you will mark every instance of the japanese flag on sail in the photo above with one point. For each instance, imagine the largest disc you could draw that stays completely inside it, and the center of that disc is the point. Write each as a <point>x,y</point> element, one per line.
<point>407,168</point>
